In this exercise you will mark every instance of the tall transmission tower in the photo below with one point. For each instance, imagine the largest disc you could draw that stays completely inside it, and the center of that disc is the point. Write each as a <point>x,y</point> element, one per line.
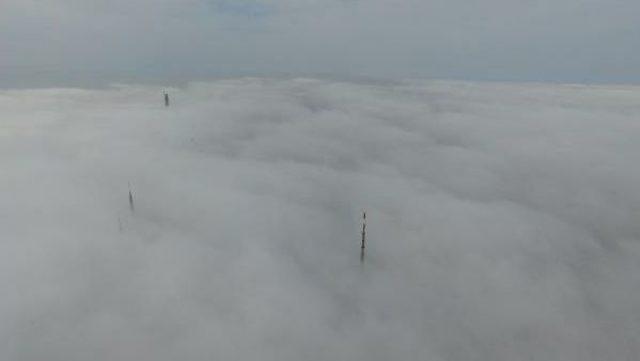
<point>364,236</point>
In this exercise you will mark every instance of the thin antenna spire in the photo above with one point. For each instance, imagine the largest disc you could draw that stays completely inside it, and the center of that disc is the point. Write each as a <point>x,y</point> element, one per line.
<point>364,229</point>
<point>364,235</point>
<point>131,206</point>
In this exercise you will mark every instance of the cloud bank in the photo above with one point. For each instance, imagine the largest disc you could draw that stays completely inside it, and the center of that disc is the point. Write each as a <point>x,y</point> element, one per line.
<point>502,222</point>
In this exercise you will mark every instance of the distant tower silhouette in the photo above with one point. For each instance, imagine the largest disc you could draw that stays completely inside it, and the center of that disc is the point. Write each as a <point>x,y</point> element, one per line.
<point>131,205</point>
<point>166,99</point>
<point>364,229</point>
<point>364,235</point>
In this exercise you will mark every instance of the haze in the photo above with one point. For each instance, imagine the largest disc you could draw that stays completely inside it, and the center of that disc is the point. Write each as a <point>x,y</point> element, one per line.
<point>93,43</point>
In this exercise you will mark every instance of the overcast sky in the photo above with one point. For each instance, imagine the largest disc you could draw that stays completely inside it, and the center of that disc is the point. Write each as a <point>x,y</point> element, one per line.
<point>92,42</point>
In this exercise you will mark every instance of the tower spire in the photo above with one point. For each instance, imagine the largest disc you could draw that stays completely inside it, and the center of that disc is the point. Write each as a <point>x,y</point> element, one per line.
<point>364,235</point>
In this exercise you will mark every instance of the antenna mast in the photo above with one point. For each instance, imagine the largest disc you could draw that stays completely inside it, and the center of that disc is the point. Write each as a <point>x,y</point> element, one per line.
<point>364,236</point>
<point>364,229</point>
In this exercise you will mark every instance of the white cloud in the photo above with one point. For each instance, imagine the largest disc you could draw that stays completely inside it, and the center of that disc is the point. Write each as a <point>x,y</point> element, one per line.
<point>502,222</point>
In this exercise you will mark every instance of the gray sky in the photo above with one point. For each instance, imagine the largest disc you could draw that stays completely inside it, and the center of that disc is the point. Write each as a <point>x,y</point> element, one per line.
<point>93,42</point>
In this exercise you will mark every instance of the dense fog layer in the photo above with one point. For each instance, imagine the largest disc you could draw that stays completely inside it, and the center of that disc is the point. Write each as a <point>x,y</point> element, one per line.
<point>503,222</point>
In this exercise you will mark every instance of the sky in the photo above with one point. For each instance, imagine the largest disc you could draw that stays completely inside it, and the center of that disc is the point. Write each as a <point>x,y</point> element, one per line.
<point>99,42</point>
<point>502,222</point>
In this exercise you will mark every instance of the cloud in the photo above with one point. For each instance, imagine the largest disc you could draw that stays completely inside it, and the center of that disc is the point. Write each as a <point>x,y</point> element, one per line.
<point>502,222</point>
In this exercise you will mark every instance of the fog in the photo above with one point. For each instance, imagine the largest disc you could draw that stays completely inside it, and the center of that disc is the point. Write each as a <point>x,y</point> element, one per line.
<point>502,222</point>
